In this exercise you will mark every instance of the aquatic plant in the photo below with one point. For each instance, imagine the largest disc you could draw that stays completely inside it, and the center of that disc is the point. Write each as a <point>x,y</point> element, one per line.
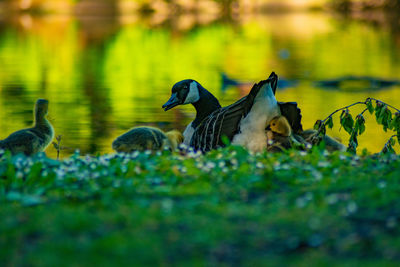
<point>354,128</point>
<point>57,145</point>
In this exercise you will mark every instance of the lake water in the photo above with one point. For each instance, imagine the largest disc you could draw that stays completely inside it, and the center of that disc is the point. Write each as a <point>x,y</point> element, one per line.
<point>104,76</point>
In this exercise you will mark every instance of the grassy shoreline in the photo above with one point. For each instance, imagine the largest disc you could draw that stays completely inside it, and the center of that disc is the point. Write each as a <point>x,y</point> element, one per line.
<point>226,207</point>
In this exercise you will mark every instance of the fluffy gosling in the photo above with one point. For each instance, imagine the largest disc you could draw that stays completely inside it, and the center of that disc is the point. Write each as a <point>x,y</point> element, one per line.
<point>147,138</point>
<point>279,135</point>
<point>35,139</point>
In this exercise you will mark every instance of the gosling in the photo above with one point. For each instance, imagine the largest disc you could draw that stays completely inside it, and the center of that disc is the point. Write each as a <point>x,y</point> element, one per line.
<point>147,138</point>
<point>279,135</point>
<point>35,139</point>
<point>175,138</point>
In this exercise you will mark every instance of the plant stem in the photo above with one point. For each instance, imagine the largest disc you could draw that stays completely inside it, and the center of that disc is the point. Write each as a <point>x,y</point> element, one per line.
<point>346,107</point>
<point>362,113</point>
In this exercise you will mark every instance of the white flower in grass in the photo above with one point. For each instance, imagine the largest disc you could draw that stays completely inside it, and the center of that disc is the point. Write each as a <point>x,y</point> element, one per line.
<point>351,207</point>
<point>260,165</point>
<point>234,162</point>
<point>135,154</point>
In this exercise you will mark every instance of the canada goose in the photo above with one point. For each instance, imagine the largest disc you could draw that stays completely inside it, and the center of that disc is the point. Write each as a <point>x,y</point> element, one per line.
<point>242,122</point>
<point>34,139</point>
<point>191,92</point>
<point>146,138</point>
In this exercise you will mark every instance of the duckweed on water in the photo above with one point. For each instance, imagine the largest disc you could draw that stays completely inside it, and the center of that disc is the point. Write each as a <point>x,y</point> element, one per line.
<point>226,207</point>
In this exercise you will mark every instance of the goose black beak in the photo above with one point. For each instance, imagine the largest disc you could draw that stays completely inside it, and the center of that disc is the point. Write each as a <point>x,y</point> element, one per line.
<point>273,78</point>
<point>173,101</point>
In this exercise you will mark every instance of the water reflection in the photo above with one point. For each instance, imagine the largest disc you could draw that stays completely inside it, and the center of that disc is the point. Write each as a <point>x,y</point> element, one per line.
<point>104,76</point>
<point>228,82</point>
<point>356,83</point>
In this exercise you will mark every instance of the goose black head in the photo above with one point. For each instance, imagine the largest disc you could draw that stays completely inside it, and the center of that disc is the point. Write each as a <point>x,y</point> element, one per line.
<point>41,107</point>
<point>183,92</point>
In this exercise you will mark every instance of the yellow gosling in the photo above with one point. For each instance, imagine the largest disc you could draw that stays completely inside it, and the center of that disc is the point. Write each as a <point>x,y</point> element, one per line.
<point>175,138</point>
<point>281,126</point>
<point>279,135</point>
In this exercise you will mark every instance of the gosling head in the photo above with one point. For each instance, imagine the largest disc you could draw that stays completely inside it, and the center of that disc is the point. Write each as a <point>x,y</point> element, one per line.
<point>281,126</point>
<point>41,108</point>
<point>175,137</point>
<point>183,92</point>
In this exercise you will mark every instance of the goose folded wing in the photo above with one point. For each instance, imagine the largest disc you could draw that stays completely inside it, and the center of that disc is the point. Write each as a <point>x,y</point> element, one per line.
<point>293,114</point>
<point>223,122</point>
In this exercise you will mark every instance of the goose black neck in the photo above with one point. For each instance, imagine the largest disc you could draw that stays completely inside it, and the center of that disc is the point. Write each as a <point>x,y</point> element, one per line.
<point>206,105</point>
<point>39,118</point>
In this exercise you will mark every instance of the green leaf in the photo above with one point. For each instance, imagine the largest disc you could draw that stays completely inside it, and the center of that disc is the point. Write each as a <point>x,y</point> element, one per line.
<point>369,106</point>
<point>395,123</point>
<point>392,141</point>
<point>361,129</point>
<point>317,125</point>
<point>360,124</point>
<point>378,109</point>
<point>329,122</point>
<point>322,131</point>
<point>344,112</point>
<point>385,117</point>
<point>347,122</point>
<point>381,114</point>
<point>352,147</point>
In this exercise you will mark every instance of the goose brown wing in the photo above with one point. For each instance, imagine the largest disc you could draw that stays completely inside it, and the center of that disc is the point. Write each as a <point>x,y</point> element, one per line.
<point>223,122</point>
<point>293,114</point>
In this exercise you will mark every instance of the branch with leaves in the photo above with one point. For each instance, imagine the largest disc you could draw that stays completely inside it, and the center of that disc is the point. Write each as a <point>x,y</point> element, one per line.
<point>383,115</point>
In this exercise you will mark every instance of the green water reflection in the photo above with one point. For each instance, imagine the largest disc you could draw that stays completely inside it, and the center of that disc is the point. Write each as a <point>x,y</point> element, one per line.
<point>103,77</point>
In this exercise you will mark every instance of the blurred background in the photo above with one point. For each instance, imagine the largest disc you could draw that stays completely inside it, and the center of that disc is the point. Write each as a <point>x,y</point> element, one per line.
<point>107,66</point>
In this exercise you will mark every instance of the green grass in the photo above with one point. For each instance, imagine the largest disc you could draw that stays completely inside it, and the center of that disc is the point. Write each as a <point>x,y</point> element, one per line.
<point>223,208</point>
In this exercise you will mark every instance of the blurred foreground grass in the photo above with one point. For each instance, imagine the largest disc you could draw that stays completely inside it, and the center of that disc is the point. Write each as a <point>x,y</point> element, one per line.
<point>226,207</point>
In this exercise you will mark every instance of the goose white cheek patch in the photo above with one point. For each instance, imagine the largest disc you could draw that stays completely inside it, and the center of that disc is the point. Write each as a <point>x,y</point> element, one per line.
<point>252,128</point>
<point>193,95</point>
